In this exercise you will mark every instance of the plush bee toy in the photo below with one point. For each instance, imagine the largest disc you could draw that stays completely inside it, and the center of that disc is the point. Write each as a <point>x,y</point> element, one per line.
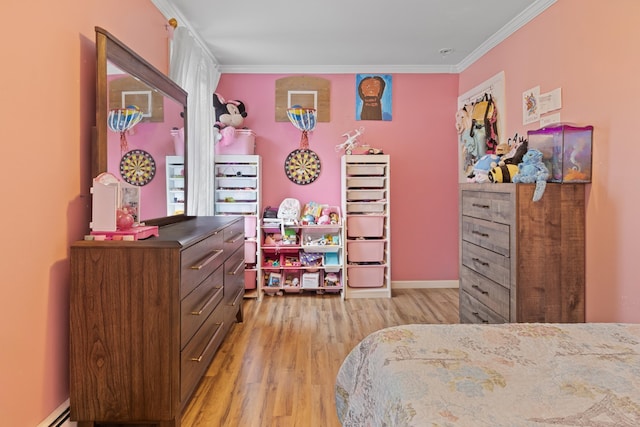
<point>503,173</point>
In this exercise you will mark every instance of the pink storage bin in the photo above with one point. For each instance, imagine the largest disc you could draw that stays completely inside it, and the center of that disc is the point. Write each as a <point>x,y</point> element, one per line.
<point>365,276</point>
<point>250,251</point>
<point>250,279</point>
<point>365,225</point>
<point>365,250</point>
<point>250,223</point>
<point>243,141</point>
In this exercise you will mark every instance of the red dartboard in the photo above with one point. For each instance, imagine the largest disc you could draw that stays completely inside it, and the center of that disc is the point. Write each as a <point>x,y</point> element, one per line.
<point>137,167</point>
<point>302,166</point>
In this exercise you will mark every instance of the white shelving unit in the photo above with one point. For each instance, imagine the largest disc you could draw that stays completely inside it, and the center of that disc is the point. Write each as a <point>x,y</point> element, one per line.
<point>367,232</point>
<point>175,184</point>
<point>238,189</point>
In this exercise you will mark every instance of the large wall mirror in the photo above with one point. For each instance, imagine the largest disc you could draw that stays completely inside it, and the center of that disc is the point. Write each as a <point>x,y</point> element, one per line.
<point>141,118</point>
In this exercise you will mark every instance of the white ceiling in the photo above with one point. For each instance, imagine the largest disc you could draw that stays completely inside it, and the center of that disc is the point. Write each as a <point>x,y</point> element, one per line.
<point>351,36</point>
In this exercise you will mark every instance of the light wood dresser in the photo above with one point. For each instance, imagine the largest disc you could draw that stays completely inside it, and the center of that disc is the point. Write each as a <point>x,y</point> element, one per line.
<point>522,261</point>
<point>147,317</point>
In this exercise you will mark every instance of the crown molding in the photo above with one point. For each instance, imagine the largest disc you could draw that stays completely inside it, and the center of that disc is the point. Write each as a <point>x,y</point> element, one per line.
<point>338,69</point>
<point>501,35</point>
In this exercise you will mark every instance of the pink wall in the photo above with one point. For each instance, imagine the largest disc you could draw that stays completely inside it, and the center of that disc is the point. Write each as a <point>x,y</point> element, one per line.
<point>589,50</point>
<point>424,225</point>
<point>47,113</point>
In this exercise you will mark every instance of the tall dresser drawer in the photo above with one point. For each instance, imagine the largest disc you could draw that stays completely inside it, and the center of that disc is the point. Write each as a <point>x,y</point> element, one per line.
<point>199,304</point>
<point>199,261</point>
<point>473,311</point>
<point>196,356</point>
<point>497,207</point>
<point>233,237</point>
<point>489,235</point>
<point>486,291</point>
<point>490,264</point>
<point>234,278</point>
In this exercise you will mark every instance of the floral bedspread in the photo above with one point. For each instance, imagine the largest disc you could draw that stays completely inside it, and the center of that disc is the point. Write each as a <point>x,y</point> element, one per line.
<point>493,375</point>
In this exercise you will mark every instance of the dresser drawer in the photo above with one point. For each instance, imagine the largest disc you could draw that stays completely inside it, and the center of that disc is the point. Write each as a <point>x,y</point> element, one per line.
<point>199,304</point>
<point>473,311</point>
<point>196,356</point>
<point>489,235</point>
<point>199,261</point>
<point>234,278</point>
<point>486,291</point>
<point>233,237</point>
<point>497,207</point>
<point>490,264</point>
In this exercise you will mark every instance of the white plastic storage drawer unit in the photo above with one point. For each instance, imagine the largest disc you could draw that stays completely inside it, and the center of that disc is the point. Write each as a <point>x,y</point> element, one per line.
<point>363,169</point>
<point>365,182</point>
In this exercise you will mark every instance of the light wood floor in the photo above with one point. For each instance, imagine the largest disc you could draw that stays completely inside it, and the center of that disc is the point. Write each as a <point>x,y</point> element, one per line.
<point>278,368</point>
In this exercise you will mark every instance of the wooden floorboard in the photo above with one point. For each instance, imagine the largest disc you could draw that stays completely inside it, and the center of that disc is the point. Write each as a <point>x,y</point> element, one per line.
<point>278,367</point>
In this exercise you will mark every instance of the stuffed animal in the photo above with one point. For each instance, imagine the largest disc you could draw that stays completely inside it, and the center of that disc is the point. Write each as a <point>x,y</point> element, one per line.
<point>228,113</point>
<point>517,148</point>
<point>503,173</point>
<point>533,170</point>
<point>482,167</point>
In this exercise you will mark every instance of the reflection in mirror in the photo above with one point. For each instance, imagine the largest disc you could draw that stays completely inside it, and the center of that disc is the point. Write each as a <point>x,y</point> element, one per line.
<point>149,153</point>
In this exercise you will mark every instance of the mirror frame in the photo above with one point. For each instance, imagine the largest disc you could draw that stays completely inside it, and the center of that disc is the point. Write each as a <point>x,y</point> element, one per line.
<point>110,49</point>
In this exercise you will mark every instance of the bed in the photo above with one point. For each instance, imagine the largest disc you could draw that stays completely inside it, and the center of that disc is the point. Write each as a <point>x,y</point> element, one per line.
<point>515,374</point>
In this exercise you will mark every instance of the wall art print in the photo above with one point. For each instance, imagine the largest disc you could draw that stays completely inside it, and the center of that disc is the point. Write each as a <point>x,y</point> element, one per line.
<point>373,97</point>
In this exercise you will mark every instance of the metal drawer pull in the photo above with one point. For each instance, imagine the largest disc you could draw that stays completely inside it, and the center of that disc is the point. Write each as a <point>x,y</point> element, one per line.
<point>477,288</point>
<point>475,313</point>
<point>215,255</point>
<point>236,238</point>
<point>478,205</point>
<point>213,338</point>
<point>235,300</point>
<point>480,234</point>
<point>209,301</point>
<point>479,261</point>
<point>234,272</point>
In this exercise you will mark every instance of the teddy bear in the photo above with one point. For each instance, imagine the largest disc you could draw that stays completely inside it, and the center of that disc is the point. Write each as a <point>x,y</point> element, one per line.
<point>533,170</point>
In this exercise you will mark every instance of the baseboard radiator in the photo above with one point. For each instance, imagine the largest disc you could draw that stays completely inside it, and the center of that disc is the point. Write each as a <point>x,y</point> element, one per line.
<point>59,417</point>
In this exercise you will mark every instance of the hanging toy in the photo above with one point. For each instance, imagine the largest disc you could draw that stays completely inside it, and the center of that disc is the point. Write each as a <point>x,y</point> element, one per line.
<point>122,120</point>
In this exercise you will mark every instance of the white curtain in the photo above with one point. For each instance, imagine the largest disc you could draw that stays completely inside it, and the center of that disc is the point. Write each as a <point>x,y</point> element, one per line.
<point>198,75</point>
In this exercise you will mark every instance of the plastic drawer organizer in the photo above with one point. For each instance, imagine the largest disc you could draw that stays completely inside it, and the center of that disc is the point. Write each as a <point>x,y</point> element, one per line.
<point>238,192</point>
<point>365,201</point>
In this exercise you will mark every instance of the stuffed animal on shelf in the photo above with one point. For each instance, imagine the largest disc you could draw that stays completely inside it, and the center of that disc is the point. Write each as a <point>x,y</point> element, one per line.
<point>533,170</point>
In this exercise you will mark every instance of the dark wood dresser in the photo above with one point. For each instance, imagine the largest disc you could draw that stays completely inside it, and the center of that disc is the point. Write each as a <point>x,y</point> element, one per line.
<point>147,317</point>
<point>522,261</point>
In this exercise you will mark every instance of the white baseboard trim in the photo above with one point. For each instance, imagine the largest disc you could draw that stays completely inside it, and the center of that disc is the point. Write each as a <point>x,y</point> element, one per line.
<point>424,284</point>
<point>59,417</point>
